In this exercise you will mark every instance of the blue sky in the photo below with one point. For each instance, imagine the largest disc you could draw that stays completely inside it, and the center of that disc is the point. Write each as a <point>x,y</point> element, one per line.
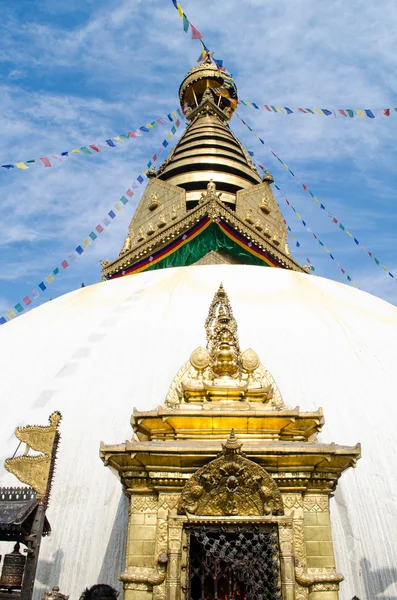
<point>77,72</point>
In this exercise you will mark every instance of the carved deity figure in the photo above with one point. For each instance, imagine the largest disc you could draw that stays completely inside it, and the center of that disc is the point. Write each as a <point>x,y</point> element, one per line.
<point>141,235</point>
<point>248,216</point>
<point>154,202</point>
<point>211,193</point>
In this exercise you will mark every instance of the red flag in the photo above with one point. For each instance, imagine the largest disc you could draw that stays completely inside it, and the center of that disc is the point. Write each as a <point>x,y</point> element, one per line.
<point>64,264</point>
<point>45,161</point>
<point>302,110</point>
<point>99,228</point>
<point>369,254</point>
<point>343,271</point>
<point>268,108</point>
<point>196,35</point>
<point>94,147</point>
<point>342,112</point>
<point>27,300</point>
<point>387,112</point>
<point>129,193</point>
<point>305,187</point>
<point>131,134</point>
<point>334,220</point>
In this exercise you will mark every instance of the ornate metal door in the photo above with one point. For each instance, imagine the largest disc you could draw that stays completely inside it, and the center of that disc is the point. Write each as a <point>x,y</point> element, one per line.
<point>233,563</point>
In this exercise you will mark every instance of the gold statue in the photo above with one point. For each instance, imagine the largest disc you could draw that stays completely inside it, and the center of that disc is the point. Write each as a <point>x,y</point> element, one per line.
<point>141,235</point>
<point>248,216</point>
<point>154,202</point>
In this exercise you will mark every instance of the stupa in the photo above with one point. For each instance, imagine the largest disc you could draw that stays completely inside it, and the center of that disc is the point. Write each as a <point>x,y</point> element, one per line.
<point>236,479</point>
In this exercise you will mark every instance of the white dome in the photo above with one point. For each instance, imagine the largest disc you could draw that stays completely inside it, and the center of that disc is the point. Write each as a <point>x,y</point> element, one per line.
<point>98,352</point>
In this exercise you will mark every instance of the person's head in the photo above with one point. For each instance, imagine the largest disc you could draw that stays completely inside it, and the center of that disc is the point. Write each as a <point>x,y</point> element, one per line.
<point>100,591</point>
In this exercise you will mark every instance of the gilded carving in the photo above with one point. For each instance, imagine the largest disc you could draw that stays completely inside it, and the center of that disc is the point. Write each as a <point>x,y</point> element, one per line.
<point>143,503</point>
<point>315,503</point>
<point>231,485</point>
<point>146,575</point>
<point>211,193</point>
<point>37,471</point>
<point>154,202</point>
<point>221,372</point>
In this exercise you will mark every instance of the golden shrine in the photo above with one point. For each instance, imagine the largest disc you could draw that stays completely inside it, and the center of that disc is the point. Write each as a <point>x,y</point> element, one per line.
<point>228,488</point>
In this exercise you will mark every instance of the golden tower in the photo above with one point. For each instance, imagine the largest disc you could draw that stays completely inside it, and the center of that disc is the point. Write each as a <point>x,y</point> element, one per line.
<point>206,203</point>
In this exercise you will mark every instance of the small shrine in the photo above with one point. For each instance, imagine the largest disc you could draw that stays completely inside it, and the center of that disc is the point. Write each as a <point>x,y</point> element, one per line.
<point>229,489</point>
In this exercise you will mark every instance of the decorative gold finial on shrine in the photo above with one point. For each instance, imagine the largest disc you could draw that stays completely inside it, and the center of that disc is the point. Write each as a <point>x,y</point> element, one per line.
<point>221,372</point>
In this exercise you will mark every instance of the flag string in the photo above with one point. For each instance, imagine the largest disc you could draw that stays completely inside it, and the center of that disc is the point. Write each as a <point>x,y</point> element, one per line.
<point>340,112</point>
<point>92,236</point>
<point>95,148</point>
<point>331,216</point>
<point>305,225</point>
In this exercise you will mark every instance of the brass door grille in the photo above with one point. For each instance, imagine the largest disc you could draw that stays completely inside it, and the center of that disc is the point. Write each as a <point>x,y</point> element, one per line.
<point>233,563</point>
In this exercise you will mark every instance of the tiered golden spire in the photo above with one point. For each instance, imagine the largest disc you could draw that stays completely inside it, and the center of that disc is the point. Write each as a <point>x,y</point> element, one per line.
<point>209,172</point>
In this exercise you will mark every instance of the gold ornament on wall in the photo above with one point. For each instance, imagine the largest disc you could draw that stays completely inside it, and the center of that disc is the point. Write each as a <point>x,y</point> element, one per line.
<point>231,485</point>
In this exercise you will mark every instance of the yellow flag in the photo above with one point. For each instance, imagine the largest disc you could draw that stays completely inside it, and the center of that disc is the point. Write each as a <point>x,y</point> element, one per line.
<point>180,11</point>
<point>149,126</point>
<point>118,139</point>
<point>316,200</point>
<point>318,111</point>
<point>86,242</point>
<point>348,233</point>
<point>75,151</point>
<point>50,278</point>
<point>299,217</point>
<point>280,109</point>
<point>21,165</point>
<point>285,167</point>
<point>118,207</point>
<point>10,314</point>
<point>248,104</point>
<point>174,115</point>
<point>169,136</point>
<point>384,268</point>
<point>360,113</point>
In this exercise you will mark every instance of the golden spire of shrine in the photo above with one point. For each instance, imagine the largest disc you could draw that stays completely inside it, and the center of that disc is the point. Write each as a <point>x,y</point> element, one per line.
<point>207,176</point>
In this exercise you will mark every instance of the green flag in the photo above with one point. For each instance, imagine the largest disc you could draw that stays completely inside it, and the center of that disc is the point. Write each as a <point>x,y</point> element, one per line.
<point>185,23</point>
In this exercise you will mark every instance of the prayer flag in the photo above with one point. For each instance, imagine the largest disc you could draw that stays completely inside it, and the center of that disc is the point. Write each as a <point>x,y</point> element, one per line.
<point>350,113</point>
<point>86,242</point>
<point>360,113</point>
<point>10,314</point>
<point>289,111</point>
<point>180,11</point>
<point>132,135</point>
<point>302,110</point>
<point>185,23</point>
<point>49,278</point>
<point>8,166</point>
<point>59,159</point>
<point>55,271</point>
<point>85,150</point>
<point>387,112</point>
<point>106,221</point>
<point>111,214</point>
<point>2,321</point>
<point>129,193</point>
<point>72,256</point>
<point>93,236</point>
<point>45,161</point>
<point>64,264</point>
<point>124,200</point>
<point>318,111</point>
<point>165,143</point>
<point>140,179</point>
<point>79,250</point>
<point>111,143</point>
<point>27,300</point>
<point>118,207</point>
<point>370,114</point>
<point>196,35</point>
<point>99,228</point>
<point>42,286</point>
<point>21,165</point>
<point>75,151</point>
<point>35,294</point>
<point>326,111</point>
<point>94,147</point>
